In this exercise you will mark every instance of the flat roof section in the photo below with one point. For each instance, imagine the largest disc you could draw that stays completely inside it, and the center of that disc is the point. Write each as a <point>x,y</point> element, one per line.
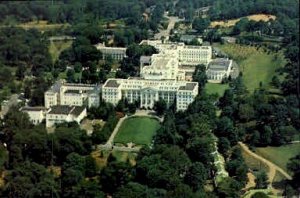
<point>61,109</point>
<point>219,64</point>
<point>112,83</point>
<point>188,87</point>
<point>28,108</point>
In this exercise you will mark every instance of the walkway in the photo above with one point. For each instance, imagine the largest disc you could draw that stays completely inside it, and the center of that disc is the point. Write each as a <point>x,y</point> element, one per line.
<point>166,33</point>
<point>114,133</point>
<point>272,167</point>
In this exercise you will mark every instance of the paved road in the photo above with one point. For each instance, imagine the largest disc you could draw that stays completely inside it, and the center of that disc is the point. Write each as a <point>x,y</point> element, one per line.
<point>272,167</point>
<point>166,33</point>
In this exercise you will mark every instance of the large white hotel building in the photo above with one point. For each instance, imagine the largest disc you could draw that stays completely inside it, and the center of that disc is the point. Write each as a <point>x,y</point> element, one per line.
<point>160,77</point>
<point>149,91</point>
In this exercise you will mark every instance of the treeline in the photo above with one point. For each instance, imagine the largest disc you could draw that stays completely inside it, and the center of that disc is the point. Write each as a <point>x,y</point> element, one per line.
<point>262,118</point>
<point>58,11</point>
<point>287,12</point>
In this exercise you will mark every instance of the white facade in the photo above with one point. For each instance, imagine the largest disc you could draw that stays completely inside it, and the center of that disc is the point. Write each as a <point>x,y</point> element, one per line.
<point>61,114</point>
<point>195,55</point>
<point>36,114</point>
<point>218,69</point>
<point>117,53</point>
<point>163,66</point>
<point>187,54</point>
<point>62,93</point>
<point>147,92</point>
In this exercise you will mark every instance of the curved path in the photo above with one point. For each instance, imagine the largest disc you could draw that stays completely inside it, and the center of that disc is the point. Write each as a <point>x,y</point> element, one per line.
<point>272,167</point>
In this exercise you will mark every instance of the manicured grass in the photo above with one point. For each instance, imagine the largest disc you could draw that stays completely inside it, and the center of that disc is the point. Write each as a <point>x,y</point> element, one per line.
<point>255,64</point>
<point>212,88</point>
<point>279,155</point>
<point>138,130</point>
<point>56,47</point>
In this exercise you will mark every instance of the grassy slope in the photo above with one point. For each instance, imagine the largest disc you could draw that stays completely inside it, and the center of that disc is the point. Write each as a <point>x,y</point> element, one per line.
<point>212,88</point>
<point>256,65</point>
<point>56,47</point>
<point>139,130</point>
<point>279,155</point>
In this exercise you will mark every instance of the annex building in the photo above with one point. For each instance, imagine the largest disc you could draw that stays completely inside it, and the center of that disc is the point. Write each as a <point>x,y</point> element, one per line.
<point>55,114</point>
<point>218,69</point>
<point>186,54</point>
<point>116,53</point>
<point>149,91</point>
<point>62,93</point>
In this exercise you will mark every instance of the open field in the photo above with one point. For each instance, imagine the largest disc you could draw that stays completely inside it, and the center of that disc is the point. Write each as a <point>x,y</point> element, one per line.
<point>41,25</point>
<point>138,130</point>
<point>212,88</point>
<point>232,22</point>
<point>279,155</point>
<point>253,163</point>
<point>56,47</point>
<point>255,64</point>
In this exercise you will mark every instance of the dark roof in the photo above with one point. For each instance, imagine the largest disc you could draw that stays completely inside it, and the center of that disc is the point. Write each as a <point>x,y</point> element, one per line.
<point>77,110</point>
<point>65,110</point>
<point>33,108</point>
<point>188,86</point>
<point>219,64</point>
<point>61,109</point>
<point>73,91</point>
<point>112,83</point>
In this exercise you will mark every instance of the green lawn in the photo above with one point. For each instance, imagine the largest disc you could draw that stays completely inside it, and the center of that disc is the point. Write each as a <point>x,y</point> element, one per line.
<point>256,64</point>
<point>212,88</point>
<point>139,130</point>
<point>279,155</point>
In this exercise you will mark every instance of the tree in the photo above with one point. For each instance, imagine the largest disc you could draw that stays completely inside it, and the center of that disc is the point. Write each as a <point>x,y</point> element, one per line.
<point>261,180</point>
<point>266,136</point>
<point>180,191</point>
<point>196,176</point>
<point>30,179</point>
<point>224,146</point>
<point>259,195</point>
<point>71,76</point>
<point>200,76</point>
<point>114,175</point>
<point>77,67</point>
<point>200,24</point>
<point>160,107</point>
<point>229,187</point>
<point>294,166</point>
<point>200,149</point>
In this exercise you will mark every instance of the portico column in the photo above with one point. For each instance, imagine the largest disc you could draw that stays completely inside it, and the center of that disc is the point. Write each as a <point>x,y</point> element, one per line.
<point>141,98</point>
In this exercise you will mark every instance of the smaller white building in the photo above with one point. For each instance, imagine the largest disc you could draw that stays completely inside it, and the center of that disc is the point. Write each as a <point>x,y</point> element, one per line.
<point>116,53</point>
<point>36,114</point>
<point>218,69</point>
<point>63,113</point>
<point>62,93</point>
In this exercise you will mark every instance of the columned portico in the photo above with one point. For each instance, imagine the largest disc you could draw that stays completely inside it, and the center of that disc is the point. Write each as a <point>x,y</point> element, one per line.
<point>148,97</point>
